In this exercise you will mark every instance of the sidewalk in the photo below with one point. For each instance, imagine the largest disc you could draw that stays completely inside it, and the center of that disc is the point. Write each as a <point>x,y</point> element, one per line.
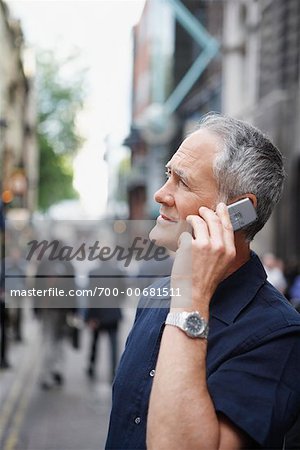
<point>74,417</point>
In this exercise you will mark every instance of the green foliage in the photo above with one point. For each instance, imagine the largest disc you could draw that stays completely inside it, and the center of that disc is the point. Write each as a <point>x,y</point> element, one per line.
<point>60,98</point>
<point>55,175</point>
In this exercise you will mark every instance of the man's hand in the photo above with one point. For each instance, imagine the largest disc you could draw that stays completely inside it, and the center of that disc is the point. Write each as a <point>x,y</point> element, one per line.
<point>203,258</point>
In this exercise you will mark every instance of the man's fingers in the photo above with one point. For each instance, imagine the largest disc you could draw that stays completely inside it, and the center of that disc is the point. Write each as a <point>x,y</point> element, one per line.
<point>211,229</point>
<point>223,214</point>
<point>214,225</point>
<point>200,229</point>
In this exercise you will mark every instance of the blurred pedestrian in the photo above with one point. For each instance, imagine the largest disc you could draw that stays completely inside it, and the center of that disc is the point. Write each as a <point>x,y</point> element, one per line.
<point>53,312</point>
<point>104,313</point>
<point>291,270</point>
<point>293,295</point>
<point>274,269</point>
<point>4,363</point>
<point>294,292</point>
<point>15,271</point>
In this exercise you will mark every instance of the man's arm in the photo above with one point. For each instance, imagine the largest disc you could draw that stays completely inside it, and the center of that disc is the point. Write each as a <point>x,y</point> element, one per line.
<point>181,412</point>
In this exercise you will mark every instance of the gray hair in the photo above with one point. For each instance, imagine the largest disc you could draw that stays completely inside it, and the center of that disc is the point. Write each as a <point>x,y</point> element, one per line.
<point>248,162</point>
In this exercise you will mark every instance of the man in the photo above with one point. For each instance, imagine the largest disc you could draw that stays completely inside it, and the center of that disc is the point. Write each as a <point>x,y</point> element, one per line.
<point>239,388</point>
<point>53,312</point>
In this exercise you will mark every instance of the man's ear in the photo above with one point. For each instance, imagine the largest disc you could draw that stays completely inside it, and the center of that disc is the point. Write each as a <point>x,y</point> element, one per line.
<point>253,199</point>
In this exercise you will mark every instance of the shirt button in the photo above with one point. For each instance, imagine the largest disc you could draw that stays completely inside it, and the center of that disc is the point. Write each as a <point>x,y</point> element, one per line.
<point>152,373</point>
<point>137,420</point>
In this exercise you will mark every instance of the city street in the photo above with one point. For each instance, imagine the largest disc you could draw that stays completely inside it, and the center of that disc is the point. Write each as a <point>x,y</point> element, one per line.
<point>133,134</point>
<point>74,416</point>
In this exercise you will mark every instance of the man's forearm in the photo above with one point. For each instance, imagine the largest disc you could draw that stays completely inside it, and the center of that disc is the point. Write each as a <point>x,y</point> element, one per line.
<point>181,413</point>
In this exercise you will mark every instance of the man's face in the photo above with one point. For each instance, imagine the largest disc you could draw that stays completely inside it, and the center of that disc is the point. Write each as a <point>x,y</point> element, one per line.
<point>190,184</point>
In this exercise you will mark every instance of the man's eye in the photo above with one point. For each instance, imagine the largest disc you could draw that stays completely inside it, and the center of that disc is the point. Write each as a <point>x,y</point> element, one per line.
<point>182,182</point>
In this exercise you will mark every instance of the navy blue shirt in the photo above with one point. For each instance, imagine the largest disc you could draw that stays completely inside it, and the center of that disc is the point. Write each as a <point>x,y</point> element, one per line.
<point>253,361</point>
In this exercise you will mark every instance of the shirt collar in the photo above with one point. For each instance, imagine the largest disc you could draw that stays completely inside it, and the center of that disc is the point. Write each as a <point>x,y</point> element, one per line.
<point>236,292</point>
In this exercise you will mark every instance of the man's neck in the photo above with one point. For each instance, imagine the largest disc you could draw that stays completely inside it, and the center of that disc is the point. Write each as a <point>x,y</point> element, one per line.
<point>242,254</point>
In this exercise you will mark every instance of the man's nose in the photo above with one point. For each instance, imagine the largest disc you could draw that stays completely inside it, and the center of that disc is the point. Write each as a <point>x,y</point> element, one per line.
<point>164,195</point>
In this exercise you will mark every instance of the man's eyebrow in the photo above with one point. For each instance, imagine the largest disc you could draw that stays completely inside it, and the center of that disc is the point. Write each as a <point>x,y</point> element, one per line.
<point>178,172</point>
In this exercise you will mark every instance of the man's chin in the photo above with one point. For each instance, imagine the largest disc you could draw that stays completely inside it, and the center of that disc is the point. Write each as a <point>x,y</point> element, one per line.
<point>163,238</point>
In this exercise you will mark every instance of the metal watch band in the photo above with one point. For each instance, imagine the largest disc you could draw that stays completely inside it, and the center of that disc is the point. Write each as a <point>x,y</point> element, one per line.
<point>177,320</point>
<point>174,319</point>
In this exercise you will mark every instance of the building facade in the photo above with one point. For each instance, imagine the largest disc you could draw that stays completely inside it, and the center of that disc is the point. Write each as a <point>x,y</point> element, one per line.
<point>261,77</point>
<point>151,85</point>
<point>18,147</point>
<point>165,85</point>
<point>254,76</point>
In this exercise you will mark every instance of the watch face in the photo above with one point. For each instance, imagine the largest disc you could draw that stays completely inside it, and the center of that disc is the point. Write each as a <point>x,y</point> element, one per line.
<point>194,325</point>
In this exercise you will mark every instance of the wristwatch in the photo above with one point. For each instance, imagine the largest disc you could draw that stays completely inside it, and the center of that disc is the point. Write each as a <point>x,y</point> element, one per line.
<point>191,323</point>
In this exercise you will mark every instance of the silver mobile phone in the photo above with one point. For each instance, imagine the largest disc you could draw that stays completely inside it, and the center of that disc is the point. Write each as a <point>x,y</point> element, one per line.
<point>242,213</point>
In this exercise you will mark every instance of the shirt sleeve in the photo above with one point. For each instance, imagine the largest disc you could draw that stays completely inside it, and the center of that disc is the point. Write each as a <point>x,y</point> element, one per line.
<point>259,390</point>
